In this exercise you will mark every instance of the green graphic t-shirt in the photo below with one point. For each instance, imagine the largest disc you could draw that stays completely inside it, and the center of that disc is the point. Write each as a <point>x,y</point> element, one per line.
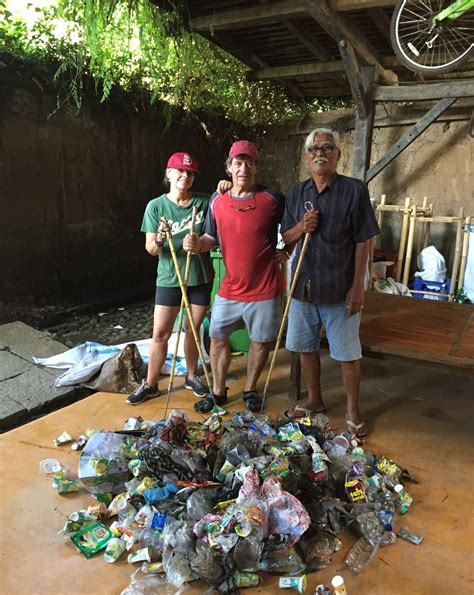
<point>179,219</point>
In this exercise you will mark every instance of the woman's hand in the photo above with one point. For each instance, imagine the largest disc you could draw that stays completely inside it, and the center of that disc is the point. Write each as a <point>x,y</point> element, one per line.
<point>192,243</point>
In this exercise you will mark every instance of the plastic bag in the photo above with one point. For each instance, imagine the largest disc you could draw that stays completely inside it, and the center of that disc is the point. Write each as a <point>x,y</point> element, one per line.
<point>432,265</point>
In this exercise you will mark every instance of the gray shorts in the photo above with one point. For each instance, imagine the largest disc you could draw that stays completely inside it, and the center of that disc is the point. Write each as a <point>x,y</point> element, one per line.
<point>262,319</point>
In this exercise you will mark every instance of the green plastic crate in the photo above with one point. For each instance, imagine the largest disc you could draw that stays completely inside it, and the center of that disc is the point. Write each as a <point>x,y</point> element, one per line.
<point>239,340</point>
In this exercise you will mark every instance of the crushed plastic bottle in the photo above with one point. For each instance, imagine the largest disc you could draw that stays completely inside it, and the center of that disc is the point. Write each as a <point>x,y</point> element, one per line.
<point>404,498</point>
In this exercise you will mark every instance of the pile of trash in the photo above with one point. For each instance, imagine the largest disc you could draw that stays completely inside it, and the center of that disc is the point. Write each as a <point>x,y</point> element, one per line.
<point>222,501</point>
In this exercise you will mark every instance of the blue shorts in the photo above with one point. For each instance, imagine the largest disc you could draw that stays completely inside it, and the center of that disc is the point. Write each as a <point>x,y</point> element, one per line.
<point>262,319</point>
<point>342,331</point>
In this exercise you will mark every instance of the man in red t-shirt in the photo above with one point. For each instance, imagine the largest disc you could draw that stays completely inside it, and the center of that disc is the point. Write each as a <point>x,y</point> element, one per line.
<point>243,222</point>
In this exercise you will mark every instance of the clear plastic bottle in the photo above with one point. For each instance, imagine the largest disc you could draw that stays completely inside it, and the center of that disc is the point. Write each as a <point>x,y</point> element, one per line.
<point>360,555</point>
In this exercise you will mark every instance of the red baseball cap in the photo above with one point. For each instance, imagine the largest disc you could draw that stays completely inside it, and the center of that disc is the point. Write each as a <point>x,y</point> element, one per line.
<point>183,161</point>
<point>244,147</point>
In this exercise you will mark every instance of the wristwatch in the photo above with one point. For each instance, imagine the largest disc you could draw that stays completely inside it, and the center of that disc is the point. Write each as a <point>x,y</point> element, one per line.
<point>160,243</point>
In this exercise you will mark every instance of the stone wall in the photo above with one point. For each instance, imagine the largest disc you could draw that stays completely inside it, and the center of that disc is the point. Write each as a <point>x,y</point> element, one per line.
<point>439,164</point>
<point>73,189</point>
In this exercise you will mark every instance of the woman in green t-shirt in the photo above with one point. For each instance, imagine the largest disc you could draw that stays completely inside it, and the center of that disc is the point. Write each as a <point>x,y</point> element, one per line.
<point>177,206</point>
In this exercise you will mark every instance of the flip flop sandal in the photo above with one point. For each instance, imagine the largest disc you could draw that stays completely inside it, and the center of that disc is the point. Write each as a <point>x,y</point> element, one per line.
<point>360,430</point>
<point>207,404</point>
<point>253,401</point>
<point>303,412</point>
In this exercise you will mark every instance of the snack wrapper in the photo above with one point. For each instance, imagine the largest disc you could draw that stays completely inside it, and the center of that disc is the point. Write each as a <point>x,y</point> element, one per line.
<point>92,539</point>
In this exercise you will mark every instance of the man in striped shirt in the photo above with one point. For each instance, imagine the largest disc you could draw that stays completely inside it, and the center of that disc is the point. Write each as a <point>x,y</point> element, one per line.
<point>336,211</point>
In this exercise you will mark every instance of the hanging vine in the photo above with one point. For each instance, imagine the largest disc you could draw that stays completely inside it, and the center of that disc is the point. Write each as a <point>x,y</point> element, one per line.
<point>133,45</point>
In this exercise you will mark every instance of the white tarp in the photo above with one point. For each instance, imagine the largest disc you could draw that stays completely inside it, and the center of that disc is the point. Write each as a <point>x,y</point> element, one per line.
<point>82,362</point>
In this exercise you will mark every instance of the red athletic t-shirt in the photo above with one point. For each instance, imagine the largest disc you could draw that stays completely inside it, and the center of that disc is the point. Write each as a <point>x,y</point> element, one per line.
<point>246,231</point>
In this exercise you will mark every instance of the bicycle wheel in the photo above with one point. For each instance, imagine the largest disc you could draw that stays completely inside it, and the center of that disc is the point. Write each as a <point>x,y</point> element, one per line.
<point>428,47</point>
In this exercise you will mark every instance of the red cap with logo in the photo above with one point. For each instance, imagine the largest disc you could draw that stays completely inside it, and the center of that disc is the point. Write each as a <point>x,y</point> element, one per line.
<point>183,161</point>
<point>244,147</point>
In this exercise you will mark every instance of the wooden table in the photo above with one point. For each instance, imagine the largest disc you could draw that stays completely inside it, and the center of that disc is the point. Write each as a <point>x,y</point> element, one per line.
<point>415,328</point>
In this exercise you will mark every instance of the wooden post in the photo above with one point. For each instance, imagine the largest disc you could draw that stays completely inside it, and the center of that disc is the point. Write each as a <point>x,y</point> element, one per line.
<point>380,219</point>
<point>403,237</point>
<point>457,254</point>
<point>465,249</point>
<point>411,234</point>
<point>421,231</point>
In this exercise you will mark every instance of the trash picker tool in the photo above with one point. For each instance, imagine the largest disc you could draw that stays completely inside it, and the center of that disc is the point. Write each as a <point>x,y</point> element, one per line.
<point>186,301</point>
<point>181,313</point>
<point>307,236</point>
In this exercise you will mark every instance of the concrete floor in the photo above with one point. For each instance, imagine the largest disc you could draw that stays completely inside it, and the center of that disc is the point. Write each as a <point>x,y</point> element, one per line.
<point>421,416</point>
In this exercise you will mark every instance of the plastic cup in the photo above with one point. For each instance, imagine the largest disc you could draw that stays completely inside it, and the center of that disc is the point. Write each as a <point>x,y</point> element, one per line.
<point>238,454</point>
<point>293,582</point>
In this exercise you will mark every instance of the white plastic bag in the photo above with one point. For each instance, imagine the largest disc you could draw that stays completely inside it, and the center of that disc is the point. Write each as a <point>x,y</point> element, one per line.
<point>432,266</point>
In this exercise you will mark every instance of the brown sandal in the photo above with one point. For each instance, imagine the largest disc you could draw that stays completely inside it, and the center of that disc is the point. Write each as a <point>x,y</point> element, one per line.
<point>360,429</point>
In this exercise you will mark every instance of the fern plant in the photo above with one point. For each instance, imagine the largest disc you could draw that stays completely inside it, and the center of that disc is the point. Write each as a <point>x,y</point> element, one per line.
<point>133,45</point>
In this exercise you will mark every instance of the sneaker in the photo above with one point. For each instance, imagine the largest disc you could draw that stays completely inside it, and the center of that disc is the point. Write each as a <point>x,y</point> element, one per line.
<point>143,393</point>
<point>207,404</point>
<point>195,384</point>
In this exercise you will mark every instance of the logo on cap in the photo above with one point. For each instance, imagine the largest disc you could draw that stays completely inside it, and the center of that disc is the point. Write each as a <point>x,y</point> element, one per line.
<point>187,159</point>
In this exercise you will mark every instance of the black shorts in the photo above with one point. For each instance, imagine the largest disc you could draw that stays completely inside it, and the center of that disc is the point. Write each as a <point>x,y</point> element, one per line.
<point>199,295</point>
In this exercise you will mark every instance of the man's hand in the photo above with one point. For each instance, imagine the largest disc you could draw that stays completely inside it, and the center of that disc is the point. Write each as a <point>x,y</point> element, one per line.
<point>223,186</point>
<point>281,256</point>
<point>309,222</point>
<point>192,243</point>
<point>355,299</point>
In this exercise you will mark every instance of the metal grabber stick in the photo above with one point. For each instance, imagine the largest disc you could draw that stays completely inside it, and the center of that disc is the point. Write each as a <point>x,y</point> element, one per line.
<point>185,298</point>
<point>308,207</point>
<point>181,313</point>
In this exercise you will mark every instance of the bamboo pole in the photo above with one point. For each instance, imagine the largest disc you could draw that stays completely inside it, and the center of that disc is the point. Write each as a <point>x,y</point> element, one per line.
<point>457,254</point>
<point>307,237</point>
<point>186,301</point>
<point>465,250</point>
<point>426,292</point>
<point>403,237</point>
<point>411,234</point>
<point>181,313</point>
<point>421,232</point>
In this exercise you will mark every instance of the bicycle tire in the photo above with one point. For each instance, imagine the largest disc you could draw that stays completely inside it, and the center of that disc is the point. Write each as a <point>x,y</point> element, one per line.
<point>410,29</point>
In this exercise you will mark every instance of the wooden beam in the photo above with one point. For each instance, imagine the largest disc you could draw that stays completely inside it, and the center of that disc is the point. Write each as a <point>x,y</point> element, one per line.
<point>248,17</point>
<point>352,68</point>
<point>308,40</point>
<point>408,138</point>
<point>364,130</point>
<point>342,5</point>
<point>338,28</point>
<point>425,92</point>
<point>273,12</point>
<point>296,70</point>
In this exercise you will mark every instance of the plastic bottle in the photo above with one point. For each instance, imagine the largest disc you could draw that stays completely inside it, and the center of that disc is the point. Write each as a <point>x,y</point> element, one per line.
<point>369,525</point>
<point>360,555</point>
<point>404,498</point>
<point>338,585</point>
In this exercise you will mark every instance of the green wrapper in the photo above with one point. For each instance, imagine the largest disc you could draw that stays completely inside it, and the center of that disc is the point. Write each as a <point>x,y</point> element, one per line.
<point>92,539</point>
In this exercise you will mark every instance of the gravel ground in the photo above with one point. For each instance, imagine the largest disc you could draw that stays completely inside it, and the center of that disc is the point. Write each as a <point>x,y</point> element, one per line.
<point>110,327</point>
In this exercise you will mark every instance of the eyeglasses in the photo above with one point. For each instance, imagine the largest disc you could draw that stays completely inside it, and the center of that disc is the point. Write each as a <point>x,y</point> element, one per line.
<point>313,149</point>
